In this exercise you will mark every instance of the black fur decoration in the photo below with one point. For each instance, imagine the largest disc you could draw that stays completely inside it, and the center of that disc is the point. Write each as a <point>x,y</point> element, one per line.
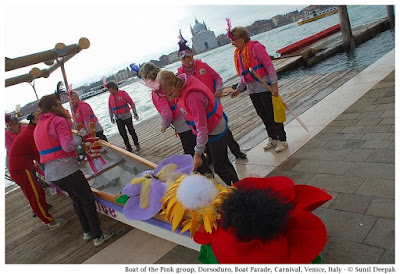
<point>255,214</point>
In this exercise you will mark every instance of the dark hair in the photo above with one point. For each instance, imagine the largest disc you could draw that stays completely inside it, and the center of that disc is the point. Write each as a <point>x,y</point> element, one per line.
<point>112,85</point>
<point>12,119</point>
<point>47,102</point>
<point>31,117</point>
<point>255,213</point>
<point>149,71</point>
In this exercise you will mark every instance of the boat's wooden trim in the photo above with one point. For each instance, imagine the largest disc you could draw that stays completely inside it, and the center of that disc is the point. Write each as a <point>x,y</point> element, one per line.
<point>134,157</point>
<point>106,167</point>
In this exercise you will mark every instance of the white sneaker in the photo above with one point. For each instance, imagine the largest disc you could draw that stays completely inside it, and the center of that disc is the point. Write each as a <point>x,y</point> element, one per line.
<point>282,145</point>
<point>104,237</point>
<point>270,144</point>
<point>87,236</point>
<point>57,223</point>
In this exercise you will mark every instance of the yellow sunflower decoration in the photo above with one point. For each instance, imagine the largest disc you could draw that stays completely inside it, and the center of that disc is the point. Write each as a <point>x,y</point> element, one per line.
<point>194,200</point>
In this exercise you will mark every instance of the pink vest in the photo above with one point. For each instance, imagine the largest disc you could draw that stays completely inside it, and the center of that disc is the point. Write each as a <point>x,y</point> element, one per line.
<point>49,148</point>
<point>78,114</point>
<point>118,103</point>
<point>214,109</point>
<point>172,105</point>
<point>257,66</point>
<point>202,74</point>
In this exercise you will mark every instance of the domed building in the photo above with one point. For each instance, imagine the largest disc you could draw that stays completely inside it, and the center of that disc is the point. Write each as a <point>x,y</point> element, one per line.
<point>203,39</point>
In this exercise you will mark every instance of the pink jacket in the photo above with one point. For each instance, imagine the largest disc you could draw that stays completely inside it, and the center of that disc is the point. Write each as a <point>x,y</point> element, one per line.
<point>196,101</point>
<point>260,53</point>
<point>118,103</point>
<point>163,107</point>
<point>58,130</point>
<point>84,114</point>
<point>204,73</point>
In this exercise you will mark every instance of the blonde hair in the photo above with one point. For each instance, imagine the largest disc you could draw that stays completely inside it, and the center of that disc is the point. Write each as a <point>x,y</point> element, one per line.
<point>168,79</point>
<point>241,32</point>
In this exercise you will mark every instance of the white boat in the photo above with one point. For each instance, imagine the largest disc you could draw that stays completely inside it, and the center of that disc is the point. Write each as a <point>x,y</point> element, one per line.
<point>316,14</point>
<point>93,92</point>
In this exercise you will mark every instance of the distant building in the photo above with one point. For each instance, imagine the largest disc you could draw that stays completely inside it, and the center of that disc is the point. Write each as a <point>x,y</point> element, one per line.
<point>173,57</point>
<point>124,74</point>
<point>203,39</point>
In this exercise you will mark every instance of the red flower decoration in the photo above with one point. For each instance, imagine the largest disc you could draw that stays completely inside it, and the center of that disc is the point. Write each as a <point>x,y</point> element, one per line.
<point>301,240</point>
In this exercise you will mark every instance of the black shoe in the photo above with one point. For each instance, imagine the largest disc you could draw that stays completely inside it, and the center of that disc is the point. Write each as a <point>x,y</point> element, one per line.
<point>241,155</point>
<point>129,149</point>
<point>49,206</point>
<point>33,214</point>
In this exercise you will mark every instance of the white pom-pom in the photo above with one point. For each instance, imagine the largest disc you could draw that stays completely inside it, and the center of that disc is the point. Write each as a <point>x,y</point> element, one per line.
<point>196,191</point>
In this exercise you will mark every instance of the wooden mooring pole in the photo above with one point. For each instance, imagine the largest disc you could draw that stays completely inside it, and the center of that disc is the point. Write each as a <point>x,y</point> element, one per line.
<point>390,16</point>
<point>347,35</point>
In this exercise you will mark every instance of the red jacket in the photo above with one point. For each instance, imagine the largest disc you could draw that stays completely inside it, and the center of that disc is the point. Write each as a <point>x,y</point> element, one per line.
<point>23,150</point>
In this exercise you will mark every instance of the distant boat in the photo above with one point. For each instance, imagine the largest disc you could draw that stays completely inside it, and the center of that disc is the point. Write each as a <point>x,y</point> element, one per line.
<point>92,92</point>
<point>316,14</point>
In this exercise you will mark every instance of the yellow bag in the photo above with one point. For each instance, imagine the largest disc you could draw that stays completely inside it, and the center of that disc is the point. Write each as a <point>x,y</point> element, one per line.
<point>279,109</point>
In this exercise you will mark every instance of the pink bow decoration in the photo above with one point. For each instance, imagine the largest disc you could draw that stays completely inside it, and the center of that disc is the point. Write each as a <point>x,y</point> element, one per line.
<point>228,21</point>
<point>69,90</point>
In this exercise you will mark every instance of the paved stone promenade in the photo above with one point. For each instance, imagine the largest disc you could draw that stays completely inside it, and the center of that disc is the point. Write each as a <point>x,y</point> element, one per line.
<point>353,158</point>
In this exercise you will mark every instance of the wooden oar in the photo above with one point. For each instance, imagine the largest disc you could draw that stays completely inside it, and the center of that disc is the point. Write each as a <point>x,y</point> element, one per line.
<point>288,108</point>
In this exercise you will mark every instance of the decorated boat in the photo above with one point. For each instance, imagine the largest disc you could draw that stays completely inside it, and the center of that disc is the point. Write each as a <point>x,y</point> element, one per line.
<point>109,173</point>
<point>316,14</point>
<point>234,224</point>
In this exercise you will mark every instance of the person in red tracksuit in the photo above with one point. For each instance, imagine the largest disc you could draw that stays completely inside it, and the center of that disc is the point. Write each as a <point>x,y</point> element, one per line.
<point>21,157</point>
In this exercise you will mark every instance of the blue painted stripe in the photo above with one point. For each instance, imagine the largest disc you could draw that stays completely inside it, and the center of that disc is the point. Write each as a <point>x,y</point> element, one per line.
<point>219,136</point>
<point>50,150</point>
<point>211,113</point>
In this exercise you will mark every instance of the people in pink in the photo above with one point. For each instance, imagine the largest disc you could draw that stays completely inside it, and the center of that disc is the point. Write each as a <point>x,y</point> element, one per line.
<point>212,80</point>
<point>118,105</point>
<point>57,148</point>
<point>252,54</point>
<point>83,113</point>
<point>206,118</point>
<point>170,113</point>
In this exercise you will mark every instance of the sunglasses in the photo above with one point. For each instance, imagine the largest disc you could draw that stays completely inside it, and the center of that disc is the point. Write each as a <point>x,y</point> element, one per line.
<point>234,38</point>
<point>185,53</point>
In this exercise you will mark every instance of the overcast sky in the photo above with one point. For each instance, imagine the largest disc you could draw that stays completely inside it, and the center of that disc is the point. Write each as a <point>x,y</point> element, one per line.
<point>120,33</point>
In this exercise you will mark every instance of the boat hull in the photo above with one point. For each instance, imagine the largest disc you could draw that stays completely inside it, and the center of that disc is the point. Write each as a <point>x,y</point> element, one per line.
<point>120,168</point>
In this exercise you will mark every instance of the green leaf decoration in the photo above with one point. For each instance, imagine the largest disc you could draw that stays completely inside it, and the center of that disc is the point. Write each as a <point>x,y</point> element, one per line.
<point>207,255</point>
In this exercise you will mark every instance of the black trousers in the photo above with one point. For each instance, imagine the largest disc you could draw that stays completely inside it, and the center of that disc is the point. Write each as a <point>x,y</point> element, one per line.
<point>83,201</point>
<point>262,102</point>
<point>122,131</point>
<point>188,141</point>
<point>101,135</point>
<point>232,144</point>
<point>223,167</point>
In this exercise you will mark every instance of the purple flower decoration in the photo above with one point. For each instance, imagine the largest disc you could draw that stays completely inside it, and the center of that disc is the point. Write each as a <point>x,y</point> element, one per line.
<point>147,188</point>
